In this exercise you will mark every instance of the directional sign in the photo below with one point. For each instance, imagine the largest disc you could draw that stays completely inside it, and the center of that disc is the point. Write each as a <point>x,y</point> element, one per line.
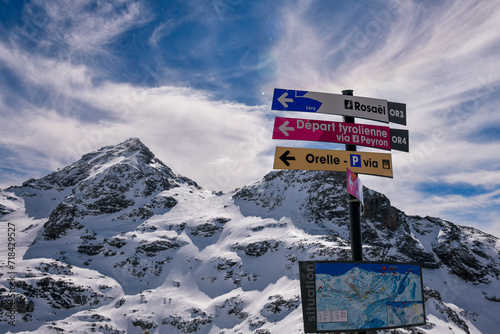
<point>332,160</point>
<point>355,106</point>
<point>338,132</point>
<point>354,185</point>
<point>400,140</point>
<point>397,112</point>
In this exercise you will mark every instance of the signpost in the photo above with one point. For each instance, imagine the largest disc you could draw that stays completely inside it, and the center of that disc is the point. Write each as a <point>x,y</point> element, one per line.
<point>345,105</point>
<point>354,208</point>
<point>332,160</point>
<point>321,284</point>
<point>376,136</point>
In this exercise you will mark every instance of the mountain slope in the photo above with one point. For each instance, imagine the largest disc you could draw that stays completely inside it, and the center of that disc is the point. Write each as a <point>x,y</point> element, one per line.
<point>118,243</point>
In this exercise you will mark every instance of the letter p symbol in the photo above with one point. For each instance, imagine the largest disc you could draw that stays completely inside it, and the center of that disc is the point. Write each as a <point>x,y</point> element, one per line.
<point>355,160</point>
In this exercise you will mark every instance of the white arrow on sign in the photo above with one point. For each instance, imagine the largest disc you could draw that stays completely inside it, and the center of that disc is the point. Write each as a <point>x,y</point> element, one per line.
<point>283,100</point>
<point>284,128</point>
<point>351,184</point>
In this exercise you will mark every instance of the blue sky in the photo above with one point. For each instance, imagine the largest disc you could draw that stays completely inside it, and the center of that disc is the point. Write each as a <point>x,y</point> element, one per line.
<point>194,81</point>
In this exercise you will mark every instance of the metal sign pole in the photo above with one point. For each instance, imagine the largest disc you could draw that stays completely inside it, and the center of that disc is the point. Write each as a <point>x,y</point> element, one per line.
<point>354,208</point>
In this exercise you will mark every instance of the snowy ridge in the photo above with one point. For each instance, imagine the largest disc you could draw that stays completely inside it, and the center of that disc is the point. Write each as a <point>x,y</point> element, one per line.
<point>118,243</point>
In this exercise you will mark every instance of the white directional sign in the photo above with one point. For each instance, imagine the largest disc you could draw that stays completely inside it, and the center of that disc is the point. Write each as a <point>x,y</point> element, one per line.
<point>346,105</point>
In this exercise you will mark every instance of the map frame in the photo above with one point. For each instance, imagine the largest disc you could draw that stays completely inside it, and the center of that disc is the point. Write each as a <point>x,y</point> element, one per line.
<point>310,272</point>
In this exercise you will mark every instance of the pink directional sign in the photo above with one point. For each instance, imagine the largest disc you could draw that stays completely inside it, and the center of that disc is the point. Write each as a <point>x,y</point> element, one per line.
<point>332,132</point>
<point>354,185</point>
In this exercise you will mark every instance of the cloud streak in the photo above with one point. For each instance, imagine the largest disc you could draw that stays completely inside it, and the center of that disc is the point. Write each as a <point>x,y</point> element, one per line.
<point>81,26</point>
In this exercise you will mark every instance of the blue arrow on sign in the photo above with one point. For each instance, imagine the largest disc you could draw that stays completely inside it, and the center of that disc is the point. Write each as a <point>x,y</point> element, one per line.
<point>294,100</point>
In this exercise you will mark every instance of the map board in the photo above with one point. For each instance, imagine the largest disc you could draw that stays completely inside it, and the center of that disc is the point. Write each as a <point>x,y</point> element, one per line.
<point>354,296</point>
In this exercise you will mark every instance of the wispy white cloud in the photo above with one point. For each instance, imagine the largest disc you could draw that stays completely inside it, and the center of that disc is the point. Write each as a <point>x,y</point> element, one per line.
<point>38,70</point>
<point>408,49</point>
<point>170,22</point>
<point>83,26</point>
<point>161,31</point>
<point>487,179</point>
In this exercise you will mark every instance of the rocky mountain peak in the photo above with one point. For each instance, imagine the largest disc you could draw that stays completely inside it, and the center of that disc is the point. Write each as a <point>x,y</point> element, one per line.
<point>112,179</point>
<point>129,157</point>
<point>132,149</point>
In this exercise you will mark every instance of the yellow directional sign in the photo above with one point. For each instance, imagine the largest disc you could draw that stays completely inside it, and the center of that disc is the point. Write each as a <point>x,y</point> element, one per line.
<point>333,160</point>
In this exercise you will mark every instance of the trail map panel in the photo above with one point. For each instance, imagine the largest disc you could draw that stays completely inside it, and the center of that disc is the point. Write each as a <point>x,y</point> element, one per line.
<point>353,296</point>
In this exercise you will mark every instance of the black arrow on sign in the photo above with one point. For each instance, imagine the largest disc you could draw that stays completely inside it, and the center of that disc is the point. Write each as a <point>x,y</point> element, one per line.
<point>284,157</point>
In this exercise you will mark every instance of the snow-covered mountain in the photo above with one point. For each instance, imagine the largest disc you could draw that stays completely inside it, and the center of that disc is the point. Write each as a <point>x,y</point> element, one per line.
<point>118,243</point>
